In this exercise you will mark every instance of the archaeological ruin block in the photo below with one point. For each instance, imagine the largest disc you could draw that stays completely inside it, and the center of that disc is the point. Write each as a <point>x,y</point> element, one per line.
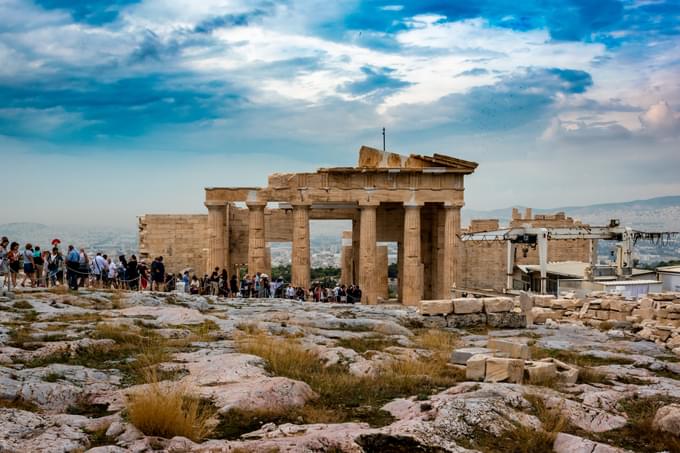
<point>412,200</point>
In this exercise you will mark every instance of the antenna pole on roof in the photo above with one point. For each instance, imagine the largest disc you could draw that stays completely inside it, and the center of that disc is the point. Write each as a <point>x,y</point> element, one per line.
<point>383,139</point>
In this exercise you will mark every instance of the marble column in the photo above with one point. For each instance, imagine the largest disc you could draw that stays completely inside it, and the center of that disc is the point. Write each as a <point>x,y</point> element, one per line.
<point>367,275</point>
<point>301,254</point>
<point>400,269</point>
<point>217,245</point>
<point>450,216</point>
<point>346,259</point>
<point>382,276</point>
<point>413,268</point>
<point>257,253</point>
<point>356,250</point>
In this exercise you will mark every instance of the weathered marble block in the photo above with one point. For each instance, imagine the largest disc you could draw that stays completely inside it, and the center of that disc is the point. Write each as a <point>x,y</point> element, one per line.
<point>498,304</point>
<point>475,368</point>
<point>466,305</point>
<point>509,320</point>
<point>513,349</point>
<point>500,369</point>
<point>540,372</point>
<point>543,300</point>
<point>460,356</point>
<point>436,307</point>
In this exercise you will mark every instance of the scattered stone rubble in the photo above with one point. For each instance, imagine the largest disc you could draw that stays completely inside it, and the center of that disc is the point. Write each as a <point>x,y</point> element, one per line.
<point>496,335</point>
<point>655,317</point>
<point>497,312</point>
<point>507,361</point>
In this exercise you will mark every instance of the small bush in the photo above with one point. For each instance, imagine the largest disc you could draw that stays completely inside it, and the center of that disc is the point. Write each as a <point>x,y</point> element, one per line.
<point>23,305</point>
<point>85,407</point>
<point>52,377</point>
<point>31,316</point>
<point>170,410</point>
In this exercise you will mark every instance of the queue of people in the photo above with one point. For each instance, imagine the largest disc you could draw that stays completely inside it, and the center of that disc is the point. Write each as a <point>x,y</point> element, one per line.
<point>260,285</point>
<point>32,267</point>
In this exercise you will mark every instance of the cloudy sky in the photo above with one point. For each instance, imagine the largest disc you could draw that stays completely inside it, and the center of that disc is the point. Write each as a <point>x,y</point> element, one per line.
<point>111,109</point>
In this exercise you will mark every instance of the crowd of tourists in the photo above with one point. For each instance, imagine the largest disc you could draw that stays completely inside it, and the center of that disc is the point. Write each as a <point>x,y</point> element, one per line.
<point>31,266</point>
<point>260,285</point>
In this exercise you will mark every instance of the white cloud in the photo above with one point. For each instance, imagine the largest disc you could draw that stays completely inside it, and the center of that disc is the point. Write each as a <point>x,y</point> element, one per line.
<point>661,120</point>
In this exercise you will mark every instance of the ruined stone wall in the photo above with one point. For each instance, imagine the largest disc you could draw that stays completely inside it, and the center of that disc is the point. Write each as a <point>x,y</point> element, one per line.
<point>180,239</point>
<point>483,263</point>
<point>479,225</point>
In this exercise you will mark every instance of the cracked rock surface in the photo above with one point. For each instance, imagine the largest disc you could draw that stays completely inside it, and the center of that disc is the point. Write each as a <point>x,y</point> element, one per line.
<point>70,363</point>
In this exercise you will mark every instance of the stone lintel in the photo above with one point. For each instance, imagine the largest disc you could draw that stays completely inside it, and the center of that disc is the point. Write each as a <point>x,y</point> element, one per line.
<point>228,194</point>
<point>215,204</point>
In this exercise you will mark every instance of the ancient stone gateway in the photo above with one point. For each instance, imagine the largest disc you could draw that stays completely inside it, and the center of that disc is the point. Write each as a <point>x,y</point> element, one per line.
<point>413,200</point>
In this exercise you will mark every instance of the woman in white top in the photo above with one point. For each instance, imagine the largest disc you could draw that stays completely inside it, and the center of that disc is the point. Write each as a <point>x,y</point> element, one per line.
<point>112,271</point>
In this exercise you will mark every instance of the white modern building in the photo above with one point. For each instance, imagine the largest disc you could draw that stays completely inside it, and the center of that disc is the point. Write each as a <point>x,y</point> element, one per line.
<point>669,277</point>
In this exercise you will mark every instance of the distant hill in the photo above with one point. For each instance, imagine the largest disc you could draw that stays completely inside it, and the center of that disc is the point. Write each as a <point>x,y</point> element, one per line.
<point>100,238</point>
<point>655,214</point>
<point>661,213</point>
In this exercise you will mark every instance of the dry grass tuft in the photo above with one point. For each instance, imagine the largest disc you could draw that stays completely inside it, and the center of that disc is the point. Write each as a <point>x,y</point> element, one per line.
<point>524,439</point>
<point>343,396</point>
<point>117,299</point>
<point>249,328</point>
<point>437,340</point>
<point>581,360</point>
<point>121,334</point>
<point>20,335</point>
<point>18,403</point>
<point>552,419</point>
<point>79,317</point>
<point>639,434</point>
<point>168,410</point>
<point>369,343</point>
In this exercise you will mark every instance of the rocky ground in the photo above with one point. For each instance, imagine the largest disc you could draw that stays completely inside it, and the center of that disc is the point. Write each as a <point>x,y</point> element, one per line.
<point>113,371</point>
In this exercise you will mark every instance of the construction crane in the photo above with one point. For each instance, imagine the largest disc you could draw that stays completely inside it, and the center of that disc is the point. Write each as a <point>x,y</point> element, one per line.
<point>526,234</point>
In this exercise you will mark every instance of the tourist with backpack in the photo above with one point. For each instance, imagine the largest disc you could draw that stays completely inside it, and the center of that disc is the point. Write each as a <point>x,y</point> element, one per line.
<point>29,265</point>
<point>157,274</point>
<point>54,267</point>
<point>72,266</point>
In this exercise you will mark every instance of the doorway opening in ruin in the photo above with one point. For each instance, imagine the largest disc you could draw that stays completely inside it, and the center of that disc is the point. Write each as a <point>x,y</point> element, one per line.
<point>280,254</point>
<point>387,271</point>
<point>326,243</point>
